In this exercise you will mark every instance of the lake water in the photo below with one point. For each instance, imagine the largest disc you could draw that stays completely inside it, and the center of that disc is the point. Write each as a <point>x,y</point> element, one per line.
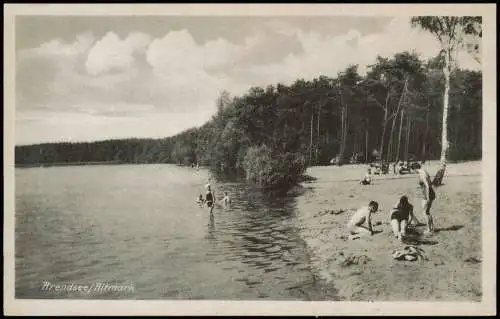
<point>138,226</point>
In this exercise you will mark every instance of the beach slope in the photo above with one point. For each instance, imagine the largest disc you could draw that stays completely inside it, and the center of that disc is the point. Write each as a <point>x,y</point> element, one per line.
<point>364,269</point>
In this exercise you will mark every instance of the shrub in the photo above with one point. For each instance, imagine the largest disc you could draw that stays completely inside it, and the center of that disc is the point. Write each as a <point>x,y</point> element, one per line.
<point>272,170</point>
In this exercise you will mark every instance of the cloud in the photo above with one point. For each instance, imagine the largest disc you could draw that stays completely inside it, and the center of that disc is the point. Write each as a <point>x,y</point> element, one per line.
<point>112,53</point>
<point>143,77</point>
<point>60,49</point>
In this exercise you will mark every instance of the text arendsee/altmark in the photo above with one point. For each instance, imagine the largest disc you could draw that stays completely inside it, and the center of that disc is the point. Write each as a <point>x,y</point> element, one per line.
<point>87,288</point>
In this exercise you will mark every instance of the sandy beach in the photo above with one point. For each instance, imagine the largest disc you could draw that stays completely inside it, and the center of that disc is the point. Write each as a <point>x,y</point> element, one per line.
<point>452,271</point>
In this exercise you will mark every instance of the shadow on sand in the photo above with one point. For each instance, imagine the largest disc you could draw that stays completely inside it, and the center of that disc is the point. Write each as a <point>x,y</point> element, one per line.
<point>451,228</point>
<point>413,237</point>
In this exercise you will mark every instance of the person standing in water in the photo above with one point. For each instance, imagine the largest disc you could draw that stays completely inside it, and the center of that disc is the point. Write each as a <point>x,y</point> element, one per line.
<point>426,193</point>
<point>226,200</point>
<point>210,199</point>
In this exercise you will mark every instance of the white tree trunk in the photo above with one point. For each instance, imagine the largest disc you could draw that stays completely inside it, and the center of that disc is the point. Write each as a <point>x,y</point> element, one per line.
<point>399,137</point>
<point>444,134</point>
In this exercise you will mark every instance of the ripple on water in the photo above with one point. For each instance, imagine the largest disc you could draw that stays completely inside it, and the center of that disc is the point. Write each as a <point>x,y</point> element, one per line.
<point>273,249</point>
<point>96,237</point>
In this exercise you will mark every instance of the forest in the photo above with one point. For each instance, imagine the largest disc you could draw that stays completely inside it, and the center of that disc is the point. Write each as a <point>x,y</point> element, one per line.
<point>402,109</point>
<point>392,113</point>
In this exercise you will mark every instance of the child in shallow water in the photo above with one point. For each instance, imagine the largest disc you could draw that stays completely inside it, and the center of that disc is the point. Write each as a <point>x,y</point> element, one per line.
<point>200,201</point>
<point>356,227</point>
<point>226,200</point>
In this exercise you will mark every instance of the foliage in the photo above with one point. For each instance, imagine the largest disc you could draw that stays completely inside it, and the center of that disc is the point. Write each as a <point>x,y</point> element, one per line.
<point>272,170</point>
<point>453,33</point>
<point>393,112</point>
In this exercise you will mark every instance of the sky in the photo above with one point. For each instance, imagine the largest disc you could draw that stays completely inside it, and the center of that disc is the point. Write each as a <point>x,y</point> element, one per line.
<point>94,78</point>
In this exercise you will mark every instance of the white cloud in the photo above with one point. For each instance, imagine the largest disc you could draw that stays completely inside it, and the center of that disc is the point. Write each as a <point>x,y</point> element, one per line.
<point>112,53</point>
<point>57,48</point>
<point>144,77</point>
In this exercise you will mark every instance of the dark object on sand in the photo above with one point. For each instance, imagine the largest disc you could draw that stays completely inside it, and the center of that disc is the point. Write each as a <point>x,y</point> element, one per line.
<point>438,179</point>
<point>410,253</point>
<point>473,260</point>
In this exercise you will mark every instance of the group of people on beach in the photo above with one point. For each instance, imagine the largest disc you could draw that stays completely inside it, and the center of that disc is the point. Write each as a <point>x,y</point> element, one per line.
<point>209,199</point>
<point>401,214</point>
<point>399,168</point>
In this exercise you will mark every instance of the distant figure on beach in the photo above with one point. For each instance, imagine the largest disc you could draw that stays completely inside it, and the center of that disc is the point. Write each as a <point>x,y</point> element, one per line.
<point>367,180</point>
<point>210,199</point>
<point>200,201</point>
<point>438,179</point>
<point>401,217</point>
<point>403,168</point>
<point>427,195</point>
<point>415,166</point>
<point>360,217</point>
<point>226,200</point>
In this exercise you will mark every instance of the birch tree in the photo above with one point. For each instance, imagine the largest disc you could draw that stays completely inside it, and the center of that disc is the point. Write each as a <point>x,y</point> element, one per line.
<point>453,33</point>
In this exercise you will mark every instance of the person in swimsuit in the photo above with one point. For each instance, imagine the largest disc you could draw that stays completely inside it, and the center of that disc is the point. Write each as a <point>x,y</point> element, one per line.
<point>226,200</point>
<point>401,217</point>
<point>426,193</point>
<point>367,180</point>
<point>200,200</point>
<point>438,179</point>
<point>362,215</point>
<point>210,199</point>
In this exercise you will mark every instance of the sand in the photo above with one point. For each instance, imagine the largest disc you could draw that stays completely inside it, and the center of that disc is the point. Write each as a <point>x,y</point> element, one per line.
<point>453,269</point>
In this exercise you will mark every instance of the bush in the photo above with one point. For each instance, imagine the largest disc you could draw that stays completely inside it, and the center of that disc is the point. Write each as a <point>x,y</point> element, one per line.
<point>271,170</point>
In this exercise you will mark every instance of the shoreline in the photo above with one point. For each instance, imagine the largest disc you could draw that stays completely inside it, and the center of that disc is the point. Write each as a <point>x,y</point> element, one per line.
<point>453,269</point>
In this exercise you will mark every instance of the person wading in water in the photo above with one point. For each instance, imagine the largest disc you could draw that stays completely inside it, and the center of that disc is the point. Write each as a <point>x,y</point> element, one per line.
<point>210,199</point>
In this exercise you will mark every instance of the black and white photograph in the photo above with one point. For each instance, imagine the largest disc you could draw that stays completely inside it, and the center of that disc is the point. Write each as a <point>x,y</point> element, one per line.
<point>250,156</point>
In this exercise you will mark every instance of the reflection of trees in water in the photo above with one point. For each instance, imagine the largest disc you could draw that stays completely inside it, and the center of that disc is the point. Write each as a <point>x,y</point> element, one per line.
<point>261,229</point>
<point>258,234</point>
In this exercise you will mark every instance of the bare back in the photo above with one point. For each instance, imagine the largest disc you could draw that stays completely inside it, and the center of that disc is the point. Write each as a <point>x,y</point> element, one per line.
<point>359,217</point>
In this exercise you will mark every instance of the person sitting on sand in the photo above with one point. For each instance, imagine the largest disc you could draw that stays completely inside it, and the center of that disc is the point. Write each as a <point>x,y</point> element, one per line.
<point>401,217</point>
<point>200,201</point>
<point>360,217</point>
<point>367,180</point>
<point>426,193</point>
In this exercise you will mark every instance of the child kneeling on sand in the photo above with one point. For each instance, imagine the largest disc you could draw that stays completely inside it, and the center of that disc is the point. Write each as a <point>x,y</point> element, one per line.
<point>362,215</point>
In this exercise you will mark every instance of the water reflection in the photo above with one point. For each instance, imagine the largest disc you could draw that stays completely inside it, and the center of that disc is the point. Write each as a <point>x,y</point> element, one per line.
<point>72,230</point>
<point>259,232</point>
<point>211,227</point>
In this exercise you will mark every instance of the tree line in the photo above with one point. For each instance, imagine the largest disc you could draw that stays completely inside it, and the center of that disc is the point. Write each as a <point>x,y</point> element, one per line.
<point>393,112</point>
<point>403,108</point>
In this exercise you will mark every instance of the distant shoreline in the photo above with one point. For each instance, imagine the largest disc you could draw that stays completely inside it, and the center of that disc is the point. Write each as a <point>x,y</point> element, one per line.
<point>69,164</point>
<point>58,164</point>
